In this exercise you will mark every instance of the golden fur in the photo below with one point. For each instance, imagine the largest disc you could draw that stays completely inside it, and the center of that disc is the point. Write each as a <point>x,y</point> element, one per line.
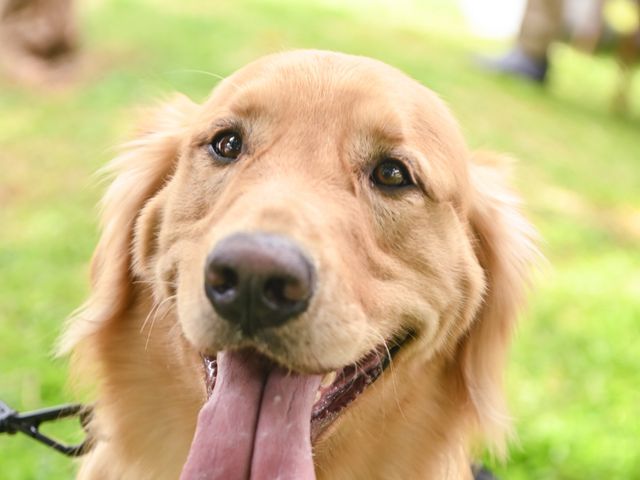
<point>447,260</point>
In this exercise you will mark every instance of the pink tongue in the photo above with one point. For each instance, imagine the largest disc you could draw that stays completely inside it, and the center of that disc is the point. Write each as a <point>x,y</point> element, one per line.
<point>256,424</point>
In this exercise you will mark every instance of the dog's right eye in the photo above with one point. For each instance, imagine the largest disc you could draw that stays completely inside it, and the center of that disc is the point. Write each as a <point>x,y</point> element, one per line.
<point>226,146</point>
<point>391,174</point>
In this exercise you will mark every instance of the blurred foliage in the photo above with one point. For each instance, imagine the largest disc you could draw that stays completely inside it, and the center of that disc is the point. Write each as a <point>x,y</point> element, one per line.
<point>574,374</point>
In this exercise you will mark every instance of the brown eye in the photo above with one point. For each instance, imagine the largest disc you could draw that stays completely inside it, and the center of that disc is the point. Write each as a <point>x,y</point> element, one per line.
<point>392,174</point>
<point>226,145</point>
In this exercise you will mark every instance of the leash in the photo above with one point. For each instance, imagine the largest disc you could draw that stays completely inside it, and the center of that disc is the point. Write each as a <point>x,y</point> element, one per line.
<point>12,422</point>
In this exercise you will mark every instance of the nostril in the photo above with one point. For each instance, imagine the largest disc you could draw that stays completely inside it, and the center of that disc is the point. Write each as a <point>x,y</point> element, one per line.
<point>283,291</point>
<point>222,279</point>
<point>273,291</point>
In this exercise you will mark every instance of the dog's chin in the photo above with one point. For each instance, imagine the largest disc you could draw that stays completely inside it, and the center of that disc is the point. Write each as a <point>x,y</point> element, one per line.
<point>338,388</point>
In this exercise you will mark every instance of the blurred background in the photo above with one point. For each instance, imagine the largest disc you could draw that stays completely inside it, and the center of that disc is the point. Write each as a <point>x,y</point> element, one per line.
<point>66,99</point>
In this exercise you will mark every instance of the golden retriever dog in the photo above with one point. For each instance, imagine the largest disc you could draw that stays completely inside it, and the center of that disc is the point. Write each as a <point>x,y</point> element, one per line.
<point>307,276</point>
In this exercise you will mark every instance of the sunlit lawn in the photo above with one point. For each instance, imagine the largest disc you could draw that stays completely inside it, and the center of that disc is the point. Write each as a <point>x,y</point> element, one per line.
<point>574,377</point>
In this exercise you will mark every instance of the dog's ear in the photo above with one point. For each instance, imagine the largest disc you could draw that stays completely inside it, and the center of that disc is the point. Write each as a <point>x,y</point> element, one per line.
<point>139,172</point>
<point>505,245</point>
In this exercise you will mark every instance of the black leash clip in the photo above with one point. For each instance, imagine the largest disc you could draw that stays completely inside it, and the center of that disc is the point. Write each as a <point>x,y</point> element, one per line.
<point>28,423</point>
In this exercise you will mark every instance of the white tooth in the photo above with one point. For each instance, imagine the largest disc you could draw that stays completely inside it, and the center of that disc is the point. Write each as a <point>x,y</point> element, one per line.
<point>328,379</point>
<point>318,395</point>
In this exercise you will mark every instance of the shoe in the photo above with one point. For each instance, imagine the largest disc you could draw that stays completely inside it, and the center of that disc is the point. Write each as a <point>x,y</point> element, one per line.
<point>518,63</point>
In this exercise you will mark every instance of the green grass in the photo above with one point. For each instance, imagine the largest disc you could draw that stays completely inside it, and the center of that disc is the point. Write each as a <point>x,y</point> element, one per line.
<point>574,374</point>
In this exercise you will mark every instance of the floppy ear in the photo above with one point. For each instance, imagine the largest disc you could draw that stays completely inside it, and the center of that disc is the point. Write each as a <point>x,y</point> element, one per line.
<point>139,172</point>
<point>505,247</point>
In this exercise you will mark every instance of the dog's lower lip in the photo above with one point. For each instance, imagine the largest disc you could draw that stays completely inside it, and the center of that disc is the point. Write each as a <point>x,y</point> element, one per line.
<point>350,382</point>
<point>347,384</point>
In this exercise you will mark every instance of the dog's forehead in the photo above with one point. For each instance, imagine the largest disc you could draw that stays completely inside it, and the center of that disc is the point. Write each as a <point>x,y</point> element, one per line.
<point>317,85</point>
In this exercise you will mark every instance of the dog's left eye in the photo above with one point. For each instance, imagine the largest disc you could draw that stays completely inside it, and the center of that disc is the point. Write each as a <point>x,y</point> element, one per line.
<point>226,145</point>
<point>391,173</point>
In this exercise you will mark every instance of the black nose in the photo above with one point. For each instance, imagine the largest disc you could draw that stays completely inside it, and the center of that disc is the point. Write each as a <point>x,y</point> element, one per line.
<point>258,280</point>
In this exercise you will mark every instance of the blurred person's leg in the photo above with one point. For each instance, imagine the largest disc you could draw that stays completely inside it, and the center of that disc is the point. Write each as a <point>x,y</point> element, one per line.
<point>541,26</point>
<point>628,55</point>
<point>38,38</point>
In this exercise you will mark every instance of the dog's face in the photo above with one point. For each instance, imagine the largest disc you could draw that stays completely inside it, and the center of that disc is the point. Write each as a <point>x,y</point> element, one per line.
<point>322,211</point>
<point>358,166</point>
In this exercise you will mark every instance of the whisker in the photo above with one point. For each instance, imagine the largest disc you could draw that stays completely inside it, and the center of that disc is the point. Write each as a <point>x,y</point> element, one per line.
<point>153,282</point>
<point>209,74</point>
<point>392,375</point>
<point>153,308</point>
<point>155,317</point>
<point>195,70</point>
<point>153,321</point>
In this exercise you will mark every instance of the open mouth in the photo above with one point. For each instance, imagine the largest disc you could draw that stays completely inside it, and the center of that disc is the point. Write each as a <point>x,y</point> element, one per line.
<point>339,388</point>
<point>260,420</point>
